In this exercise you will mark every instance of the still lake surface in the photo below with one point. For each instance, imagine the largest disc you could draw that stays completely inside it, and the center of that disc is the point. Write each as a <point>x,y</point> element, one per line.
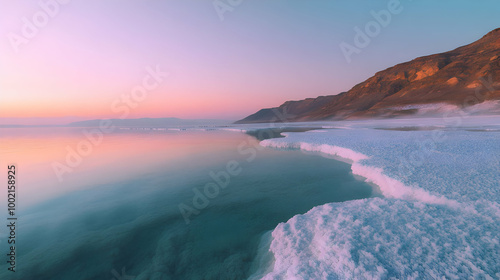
<point>116,213</point>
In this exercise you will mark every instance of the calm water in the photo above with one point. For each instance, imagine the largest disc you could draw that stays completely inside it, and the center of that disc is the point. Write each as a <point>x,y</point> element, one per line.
<point>116,214</point>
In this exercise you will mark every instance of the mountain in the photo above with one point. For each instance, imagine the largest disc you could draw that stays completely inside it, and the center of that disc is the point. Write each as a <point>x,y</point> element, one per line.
<point>149,122</point>
<point>460,78</point>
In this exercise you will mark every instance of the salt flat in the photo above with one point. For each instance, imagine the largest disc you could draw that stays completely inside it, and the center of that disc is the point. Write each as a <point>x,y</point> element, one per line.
<point>440,211</point>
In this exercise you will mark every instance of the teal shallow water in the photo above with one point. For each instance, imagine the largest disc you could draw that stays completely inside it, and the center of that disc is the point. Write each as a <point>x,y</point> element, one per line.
<point>131,225</point>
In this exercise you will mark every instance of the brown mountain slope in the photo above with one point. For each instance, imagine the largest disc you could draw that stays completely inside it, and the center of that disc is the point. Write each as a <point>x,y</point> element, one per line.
<point>463,77</point>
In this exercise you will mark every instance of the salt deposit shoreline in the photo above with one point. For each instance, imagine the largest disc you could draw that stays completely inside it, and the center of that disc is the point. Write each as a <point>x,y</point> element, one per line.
<point>454,234</point>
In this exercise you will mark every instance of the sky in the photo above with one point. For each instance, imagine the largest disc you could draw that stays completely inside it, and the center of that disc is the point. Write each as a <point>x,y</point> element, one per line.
<point>73,60</point>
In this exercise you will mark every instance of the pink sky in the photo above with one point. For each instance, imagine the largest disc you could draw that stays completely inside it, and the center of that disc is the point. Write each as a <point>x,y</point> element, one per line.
<point>90,53</point>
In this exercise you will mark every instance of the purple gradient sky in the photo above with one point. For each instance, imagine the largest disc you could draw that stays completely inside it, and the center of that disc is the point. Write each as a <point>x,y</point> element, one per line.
<point>262,54</point>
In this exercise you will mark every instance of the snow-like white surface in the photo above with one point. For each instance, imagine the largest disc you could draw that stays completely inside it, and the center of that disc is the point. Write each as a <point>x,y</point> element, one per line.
<point>382,238</point>
<point>439,217</point>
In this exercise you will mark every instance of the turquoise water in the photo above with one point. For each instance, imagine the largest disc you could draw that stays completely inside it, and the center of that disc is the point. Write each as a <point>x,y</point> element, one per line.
<point>118,214</point>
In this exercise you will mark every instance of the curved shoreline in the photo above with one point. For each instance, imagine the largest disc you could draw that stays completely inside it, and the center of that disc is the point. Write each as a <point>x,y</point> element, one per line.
<point>389,187</point>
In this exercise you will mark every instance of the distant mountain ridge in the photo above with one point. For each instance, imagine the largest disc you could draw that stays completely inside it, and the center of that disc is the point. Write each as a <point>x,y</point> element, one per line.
<point>462,77</point>
<point>149,122</point>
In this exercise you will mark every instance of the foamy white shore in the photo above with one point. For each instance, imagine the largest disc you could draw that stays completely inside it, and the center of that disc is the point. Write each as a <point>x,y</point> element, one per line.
<point>439,218</point>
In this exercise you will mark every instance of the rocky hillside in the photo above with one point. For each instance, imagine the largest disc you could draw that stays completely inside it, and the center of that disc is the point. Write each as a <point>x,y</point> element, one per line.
<point>462,77</point>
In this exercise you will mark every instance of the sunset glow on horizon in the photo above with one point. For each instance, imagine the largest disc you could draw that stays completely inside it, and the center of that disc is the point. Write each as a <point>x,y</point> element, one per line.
<point>89,54</point>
